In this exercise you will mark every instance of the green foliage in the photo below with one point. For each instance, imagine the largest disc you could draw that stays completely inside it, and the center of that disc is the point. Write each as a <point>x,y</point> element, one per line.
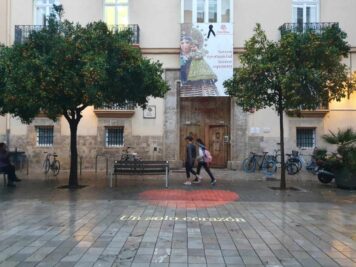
<point>64,68</point>
<point>67,67</point>
<point>300,71</point>
<point>342,137</point>
<point>346,142</point>
<point>320,154</point>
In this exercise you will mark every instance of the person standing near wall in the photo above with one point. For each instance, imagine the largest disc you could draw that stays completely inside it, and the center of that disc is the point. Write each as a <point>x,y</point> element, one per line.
<point>7,167</point>
<point>203,163</point>
<point>191,154</point>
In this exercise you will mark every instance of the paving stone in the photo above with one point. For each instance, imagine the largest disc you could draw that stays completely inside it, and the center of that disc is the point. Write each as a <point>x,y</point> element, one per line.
<point>290,229</point>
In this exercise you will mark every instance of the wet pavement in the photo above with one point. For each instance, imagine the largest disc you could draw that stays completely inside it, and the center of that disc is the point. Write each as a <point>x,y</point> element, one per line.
<point>242,221</point>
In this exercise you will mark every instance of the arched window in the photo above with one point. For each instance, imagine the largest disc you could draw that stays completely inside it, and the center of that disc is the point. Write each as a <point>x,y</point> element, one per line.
<point>305,11</point>
<point>116,12</point>
<point>42,10</point>
<point>206,11</point>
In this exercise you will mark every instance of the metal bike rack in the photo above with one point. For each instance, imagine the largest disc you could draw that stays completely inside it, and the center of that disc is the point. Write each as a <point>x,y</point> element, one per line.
<point>106,161</point>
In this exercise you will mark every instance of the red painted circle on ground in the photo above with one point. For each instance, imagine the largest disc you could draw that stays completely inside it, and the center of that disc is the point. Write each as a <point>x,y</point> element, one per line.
<point>189,199</point>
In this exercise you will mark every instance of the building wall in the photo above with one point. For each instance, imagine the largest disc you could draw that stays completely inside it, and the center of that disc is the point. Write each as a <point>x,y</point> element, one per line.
<point>248,13</point>
<point>3,22</point>
<point>341,11</point>
<point>4,35</point>
<point>159,23</point>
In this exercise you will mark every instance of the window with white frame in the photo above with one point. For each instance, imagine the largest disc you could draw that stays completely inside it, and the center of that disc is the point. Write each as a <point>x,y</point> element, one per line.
<point>116,12</point>
<point>306,137</point>
<point>44,135</point>
<point>206,11</point>
<point>114,136</point>
<point>43,9</point>
<point>305,11</point>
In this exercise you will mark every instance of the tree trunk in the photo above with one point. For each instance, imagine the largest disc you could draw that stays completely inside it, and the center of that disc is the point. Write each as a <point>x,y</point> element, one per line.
<point>73,117</point>
<point>281,141</point>
<point>73,175</point>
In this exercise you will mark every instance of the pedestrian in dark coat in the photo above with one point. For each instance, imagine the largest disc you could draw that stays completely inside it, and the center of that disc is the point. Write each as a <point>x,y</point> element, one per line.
<point>190,156</point>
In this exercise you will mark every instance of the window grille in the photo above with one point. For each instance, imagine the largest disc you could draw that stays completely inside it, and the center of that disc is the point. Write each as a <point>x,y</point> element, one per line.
<point>306,137</point>
<point>114,136</point>
<point>44,135</point>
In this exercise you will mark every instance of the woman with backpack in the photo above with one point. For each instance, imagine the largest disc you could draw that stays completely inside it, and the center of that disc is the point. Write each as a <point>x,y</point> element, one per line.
<point>204,159</point>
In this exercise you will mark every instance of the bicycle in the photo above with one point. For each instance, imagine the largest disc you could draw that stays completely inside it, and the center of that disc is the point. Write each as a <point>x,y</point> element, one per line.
<point>277,155</point>
<point>129,156</point>
<point>298,158</point>
<point>51,163</point>
<point>291,165</point>
<point>312,166</point>
<point>267,164</point>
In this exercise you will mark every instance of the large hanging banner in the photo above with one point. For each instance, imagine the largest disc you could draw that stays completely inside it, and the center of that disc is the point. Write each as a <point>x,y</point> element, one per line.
<point>206,58</point>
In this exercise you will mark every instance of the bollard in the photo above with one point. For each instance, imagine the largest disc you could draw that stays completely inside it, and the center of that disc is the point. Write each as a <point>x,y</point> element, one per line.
<point>106,163</point>
<point>80,166</point>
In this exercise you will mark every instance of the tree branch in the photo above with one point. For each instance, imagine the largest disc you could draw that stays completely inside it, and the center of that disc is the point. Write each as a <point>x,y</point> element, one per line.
<point>82,107</point>
<point>65,114</point>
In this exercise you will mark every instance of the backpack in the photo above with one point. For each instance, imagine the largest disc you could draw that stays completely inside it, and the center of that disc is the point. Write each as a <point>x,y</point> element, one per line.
<point>207,156</point>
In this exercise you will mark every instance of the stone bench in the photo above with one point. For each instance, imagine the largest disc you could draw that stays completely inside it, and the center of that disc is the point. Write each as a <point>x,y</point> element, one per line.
<point>139,168</point>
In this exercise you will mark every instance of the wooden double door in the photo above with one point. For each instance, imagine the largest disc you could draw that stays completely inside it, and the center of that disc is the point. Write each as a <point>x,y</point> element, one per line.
<point>207,119</point>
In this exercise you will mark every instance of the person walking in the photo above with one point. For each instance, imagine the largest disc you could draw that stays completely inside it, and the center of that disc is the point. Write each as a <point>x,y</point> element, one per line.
<point>202,162</point>
<point>191,154</point>
<point>7,167</point>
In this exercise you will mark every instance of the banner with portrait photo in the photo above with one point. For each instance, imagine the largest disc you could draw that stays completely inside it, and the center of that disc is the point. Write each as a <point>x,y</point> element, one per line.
<point>206,58</point>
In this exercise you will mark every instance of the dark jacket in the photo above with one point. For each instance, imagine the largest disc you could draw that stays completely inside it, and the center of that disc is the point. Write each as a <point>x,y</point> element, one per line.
<point>191,153</point>
<point>4,158</point>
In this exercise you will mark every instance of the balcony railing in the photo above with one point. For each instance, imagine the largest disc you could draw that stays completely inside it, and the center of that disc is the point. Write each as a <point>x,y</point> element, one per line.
<point>115,106</point>
<point>320,112</point>
<point>113,110</point>
<point>133,27</point>
<point>302,27</point>
<point>22,32</point>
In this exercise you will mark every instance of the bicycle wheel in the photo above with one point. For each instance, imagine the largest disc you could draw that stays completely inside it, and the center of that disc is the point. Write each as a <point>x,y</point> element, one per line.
<point>269,167</point>
<point>292,168</point>
<point>46,166</point>
<point>298,162</point>
<point>325,177</point>
<point>312,167</point>
<point>56,166</point>
<point>249,165</point>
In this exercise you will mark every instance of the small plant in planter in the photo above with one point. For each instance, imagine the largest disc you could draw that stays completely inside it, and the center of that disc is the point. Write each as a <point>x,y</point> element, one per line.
<point>343,163</point>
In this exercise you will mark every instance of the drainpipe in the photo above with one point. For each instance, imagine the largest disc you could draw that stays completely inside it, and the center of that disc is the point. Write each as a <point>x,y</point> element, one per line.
<point>8,130</point>
<point>7,42</point>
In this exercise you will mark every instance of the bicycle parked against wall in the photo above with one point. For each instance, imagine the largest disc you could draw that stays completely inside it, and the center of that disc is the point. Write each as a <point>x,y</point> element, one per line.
<point>292,166</point>
<point>128,155</point>
<point>318,154</point>
<point>277,155</point>
<point>298,158</point>
<point>51,163</point>
<point>263,162</point>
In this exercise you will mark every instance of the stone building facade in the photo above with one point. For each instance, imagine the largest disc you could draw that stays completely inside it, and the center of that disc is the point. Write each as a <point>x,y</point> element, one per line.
<point>161,135</point>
